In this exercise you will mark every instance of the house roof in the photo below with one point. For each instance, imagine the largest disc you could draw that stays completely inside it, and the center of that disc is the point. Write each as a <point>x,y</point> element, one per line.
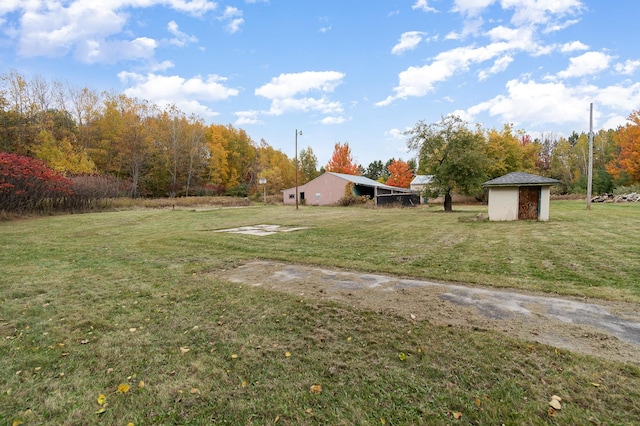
<point>521,179</point>
<point>422,180</point>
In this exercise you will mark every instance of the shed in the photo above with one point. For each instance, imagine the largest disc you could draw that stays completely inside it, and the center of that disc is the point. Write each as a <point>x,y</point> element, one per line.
<point>330,187</point>
<point>519,196</point>
<point>418,184</point>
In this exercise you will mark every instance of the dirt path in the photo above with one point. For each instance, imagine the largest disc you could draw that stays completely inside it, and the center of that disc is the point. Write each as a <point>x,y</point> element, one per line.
<point>606,329</point>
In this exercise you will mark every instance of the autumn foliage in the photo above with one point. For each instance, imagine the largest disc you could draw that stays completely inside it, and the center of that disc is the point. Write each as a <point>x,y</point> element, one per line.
<point>341,161</point>
<point>400,174</point>
<point>627,160</point>
<point>27,185</point>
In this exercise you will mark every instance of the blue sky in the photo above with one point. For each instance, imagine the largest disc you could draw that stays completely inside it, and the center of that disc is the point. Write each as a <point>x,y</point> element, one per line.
<point>351,71</point>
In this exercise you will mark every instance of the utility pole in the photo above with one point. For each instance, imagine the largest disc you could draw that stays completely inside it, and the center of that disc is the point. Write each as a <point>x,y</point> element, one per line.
<point>298,132</point>
<point>590,171</point>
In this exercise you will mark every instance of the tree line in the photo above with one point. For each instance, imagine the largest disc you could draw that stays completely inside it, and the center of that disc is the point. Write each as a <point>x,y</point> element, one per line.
<point>154,151</point>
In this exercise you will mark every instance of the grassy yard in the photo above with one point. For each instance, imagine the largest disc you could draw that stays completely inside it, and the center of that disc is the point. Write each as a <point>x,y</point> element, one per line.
<point>118,317</point>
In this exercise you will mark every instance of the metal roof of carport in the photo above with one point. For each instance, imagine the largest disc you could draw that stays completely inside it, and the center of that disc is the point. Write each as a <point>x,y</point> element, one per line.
<point>365,181</point>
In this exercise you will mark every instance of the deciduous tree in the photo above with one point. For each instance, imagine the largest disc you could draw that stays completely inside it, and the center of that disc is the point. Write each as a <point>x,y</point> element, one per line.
<point>626,162</point>
<point>341,161</point>
<point>400,174</point>
<point>454,155</point>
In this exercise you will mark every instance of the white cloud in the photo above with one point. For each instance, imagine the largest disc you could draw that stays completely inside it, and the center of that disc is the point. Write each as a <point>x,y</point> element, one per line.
<point>233,17</point>
<point>187,94</point>
<point>499,65</point>
<point>289,85</point>
<point>333,120</point>
<point>471,7</point>
<point>628,67</point>
<point>541,12</point>
<point>181,39</point>
<point>247,118</point>
<point>544,105</point>
<point>573,46</point>
<point>408,41</point>
<point>289,93</point>
<point>92,30</point>
<point>586,64</point>
<point>419,81</point>
<point>423,5</point>
<point>538,103</point>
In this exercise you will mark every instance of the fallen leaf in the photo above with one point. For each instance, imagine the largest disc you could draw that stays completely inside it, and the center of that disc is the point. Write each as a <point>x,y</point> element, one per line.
<point>552,412</point>
<point>309,410</point>
<point>402,356</point>
<point>123,388</point>
<point>234,356</point>
<point>195,390</point>
<point>383,421</point>
<point>596,385</point>
<point>457,415</point>
<point>478,402</point>
<point>413,317</point>
<point>102,399</point>
<point>349,338</point>
<point>244,384</point>
<point>102,410</point>
<point>315,389</point>
<point>287,354</point>
<point>141,384</point>
<point>131,424</point>
<point>184,349</point>
<point>555,404</point>
<point>17,422</point>
<point>132,329</point>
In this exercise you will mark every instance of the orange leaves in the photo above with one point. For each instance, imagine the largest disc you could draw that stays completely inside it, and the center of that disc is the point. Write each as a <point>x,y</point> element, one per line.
<point>341,161</point>
<point>400,174</point>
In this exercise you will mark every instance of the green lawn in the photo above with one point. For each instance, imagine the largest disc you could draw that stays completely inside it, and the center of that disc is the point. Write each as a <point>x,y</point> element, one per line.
<point>91,302</point>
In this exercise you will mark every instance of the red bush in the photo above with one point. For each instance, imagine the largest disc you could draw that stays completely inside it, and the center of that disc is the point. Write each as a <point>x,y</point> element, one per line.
<point>27,185</point>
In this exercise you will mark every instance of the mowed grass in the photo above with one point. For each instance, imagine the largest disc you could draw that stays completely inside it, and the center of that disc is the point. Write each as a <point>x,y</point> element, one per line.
<point>92,302</point>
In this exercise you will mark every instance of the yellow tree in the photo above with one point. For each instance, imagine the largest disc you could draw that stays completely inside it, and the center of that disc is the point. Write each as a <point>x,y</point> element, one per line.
<point>508,153</point>
<point>400,174</point>
<point>275,166</point>
<point>61,155</point>
<point>341,161</point>
<point>626,162</point>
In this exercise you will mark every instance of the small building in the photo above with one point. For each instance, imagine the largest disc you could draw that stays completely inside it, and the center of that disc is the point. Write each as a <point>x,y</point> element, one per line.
<point>330,187</point>
<point>419,183</point>
<point>519,196</point>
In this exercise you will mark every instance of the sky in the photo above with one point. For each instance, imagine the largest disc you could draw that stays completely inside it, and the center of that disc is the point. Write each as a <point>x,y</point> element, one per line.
<point>360,72</point>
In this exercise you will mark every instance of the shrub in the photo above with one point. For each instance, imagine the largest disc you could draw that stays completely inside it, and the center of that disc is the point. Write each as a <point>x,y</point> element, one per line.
<point>27,185</point>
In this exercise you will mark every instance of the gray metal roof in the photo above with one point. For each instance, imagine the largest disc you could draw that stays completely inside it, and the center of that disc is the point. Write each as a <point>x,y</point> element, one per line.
<point>365,181</point>
<point>422,180</point>
<point>521,179</point>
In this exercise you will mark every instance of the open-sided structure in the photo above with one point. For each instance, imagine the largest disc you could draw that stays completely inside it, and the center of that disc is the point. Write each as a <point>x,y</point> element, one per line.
<point>330,187</point>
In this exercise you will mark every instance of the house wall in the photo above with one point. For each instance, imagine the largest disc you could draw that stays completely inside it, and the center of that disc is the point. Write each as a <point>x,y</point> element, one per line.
<point>324,190</point>
<point>503,203</point>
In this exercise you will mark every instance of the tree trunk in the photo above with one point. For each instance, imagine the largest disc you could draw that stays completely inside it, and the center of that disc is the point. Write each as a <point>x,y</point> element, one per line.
<point>447,202</point>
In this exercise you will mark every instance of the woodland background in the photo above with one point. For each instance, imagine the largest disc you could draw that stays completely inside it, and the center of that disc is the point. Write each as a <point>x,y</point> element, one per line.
<point>73,140</point>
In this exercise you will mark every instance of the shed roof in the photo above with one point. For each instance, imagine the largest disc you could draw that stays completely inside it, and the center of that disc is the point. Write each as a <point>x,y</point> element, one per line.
<point>521,179</point>
<point>422,180</point>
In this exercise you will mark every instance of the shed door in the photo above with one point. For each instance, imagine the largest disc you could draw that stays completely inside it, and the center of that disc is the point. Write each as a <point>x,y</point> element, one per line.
<point>528,203</point>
